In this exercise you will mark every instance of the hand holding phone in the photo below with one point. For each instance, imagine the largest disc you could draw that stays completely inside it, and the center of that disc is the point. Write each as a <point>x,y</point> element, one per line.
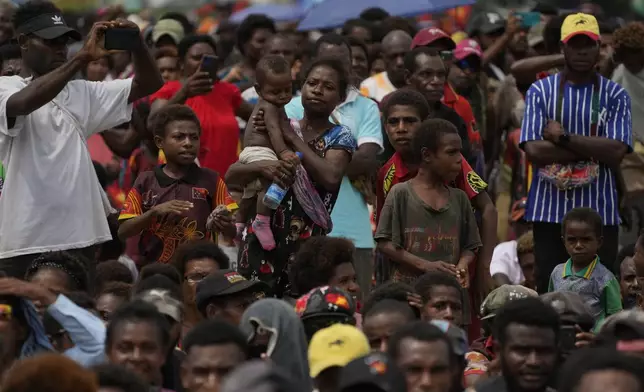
<point>210,64</point>
<point>117,38</point>
<point>529,19</point>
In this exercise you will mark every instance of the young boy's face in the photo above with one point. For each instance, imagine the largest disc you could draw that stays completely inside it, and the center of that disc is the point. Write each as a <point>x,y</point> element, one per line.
<point>401,126</point>
<point>447,159</point>
<point>581,241</point>
<point>277,89</point>
<point>181,142</point>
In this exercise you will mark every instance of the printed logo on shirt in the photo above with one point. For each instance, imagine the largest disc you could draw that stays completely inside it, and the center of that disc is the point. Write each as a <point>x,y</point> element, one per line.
<point>389,178</point>
<point>199,193</point>
<point>476,182</point>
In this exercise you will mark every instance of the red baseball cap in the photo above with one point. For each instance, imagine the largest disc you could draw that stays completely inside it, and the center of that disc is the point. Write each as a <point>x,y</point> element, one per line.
<point>467,47</point>
<point>429,35</point>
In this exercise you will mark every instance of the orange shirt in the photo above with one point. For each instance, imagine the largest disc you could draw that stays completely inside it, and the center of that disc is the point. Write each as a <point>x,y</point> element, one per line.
<point>461,106</point>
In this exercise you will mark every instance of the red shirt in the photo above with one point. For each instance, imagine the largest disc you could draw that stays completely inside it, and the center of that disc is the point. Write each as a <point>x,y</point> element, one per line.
<point>461,106</point>
<point>395,171</point>
<point>219,128</point>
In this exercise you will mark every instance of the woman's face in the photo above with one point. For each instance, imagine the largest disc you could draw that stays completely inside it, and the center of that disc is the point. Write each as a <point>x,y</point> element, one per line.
<point>192,61</point>
<point>169,68</point>
<point>52,279</point>
<point>321,91</point>
<point>97,70</point>
<point>255,46</point>
<point>196,270</point>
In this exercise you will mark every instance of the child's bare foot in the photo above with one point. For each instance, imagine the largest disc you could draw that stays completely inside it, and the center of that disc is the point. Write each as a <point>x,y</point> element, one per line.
<point>262,229</point>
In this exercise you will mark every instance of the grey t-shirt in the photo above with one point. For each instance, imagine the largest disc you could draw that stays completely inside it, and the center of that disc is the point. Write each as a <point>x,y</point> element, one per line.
<point>434,235</point>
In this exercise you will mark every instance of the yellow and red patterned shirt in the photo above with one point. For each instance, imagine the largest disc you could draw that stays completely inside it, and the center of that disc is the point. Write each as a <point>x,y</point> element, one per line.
<point>200,186</point>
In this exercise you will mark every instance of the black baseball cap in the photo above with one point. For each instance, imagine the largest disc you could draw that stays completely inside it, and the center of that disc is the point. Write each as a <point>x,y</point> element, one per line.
<point>225,282</point>
<point>376,371</point>
<point>48,26</point>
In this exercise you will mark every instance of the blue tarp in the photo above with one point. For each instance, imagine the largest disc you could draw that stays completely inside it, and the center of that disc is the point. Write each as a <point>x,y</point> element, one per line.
<point>333,13</point>
<point>277,12</point>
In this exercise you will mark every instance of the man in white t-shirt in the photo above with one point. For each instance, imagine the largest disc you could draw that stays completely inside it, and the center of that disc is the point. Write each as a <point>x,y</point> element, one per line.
<point>51,199</point>
<point>394,47</point>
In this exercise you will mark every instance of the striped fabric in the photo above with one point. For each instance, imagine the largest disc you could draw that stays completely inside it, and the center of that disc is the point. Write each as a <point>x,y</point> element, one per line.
<point>546,203</point>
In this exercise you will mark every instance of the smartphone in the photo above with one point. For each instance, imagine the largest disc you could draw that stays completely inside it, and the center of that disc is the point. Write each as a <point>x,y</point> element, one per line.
<point>568,338</point>
<point>529,19</point>
<point>121,39</point>
<point>210,64</point>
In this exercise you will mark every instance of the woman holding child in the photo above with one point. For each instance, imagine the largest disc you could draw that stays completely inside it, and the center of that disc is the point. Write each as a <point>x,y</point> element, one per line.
<point>326,150</point>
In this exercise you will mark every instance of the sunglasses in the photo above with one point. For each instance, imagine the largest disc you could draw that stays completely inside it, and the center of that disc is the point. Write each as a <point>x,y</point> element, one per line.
<point>470,65</point>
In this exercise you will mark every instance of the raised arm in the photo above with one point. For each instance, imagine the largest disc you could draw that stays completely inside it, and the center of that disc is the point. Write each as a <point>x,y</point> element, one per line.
<point>45,88</point>
<point>147,78</point>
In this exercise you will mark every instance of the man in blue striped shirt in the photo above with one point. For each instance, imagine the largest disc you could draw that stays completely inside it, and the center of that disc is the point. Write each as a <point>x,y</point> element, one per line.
<point>576,130</point>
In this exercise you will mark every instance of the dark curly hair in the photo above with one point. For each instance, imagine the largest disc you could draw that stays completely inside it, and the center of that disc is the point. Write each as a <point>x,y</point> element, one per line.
<point>66,262</point>
<point>167,270</point>
<point>32,9</point>
<point>248,26</point>
<point>374,14</point>
<point>117,289</point>
<point>199,250</point>
<point>406,97</point>
<point>188,42</point>
<point>119,378</point>
<point>111,271</point>
<point>429,135</point>
<point>160,119</point>
<point>396,291</point>
<point>393,23</point>
<point>630,36</point>
<point>316,260</point>
<point>429,280</point>
<point>526,311</point>
<point>351,24</point>
<point>137,311</point>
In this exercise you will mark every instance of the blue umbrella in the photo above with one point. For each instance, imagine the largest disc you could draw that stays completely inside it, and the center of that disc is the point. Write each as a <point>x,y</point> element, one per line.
<point>277,12</point>
<point>333,13</point>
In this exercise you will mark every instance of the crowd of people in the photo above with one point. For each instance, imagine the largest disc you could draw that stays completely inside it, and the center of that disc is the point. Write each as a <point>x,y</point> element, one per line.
<point>380,208</point>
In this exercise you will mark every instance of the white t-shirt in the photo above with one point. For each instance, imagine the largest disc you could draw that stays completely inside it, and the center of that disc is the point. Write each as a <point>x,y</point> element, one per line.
<point>51,198</point>
<point>377,86</point>
<point>505,261</point>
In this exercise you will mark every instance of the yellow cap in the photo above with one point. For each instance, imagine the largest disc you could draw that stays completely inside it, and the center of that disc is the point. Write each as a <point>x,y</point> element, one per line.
<point>336,345</point>
<point>580,24</point>
<point>459,36</point>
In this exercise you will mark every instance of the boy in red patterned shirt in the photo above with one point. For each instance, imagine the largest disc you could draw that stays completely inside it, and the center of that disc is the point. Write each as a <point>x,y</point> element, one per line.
<point>179,201</point>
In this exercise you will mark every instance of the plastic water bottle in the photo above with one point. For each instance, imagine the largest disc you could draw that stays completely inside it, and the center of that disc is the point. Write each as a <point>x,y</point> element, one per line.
<point>275,193</point>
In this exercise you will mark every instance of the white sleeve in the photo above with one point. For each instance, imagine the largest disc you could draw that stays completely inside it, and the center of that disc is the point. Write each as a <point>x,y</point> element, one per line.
<point>108,105</point>
<point>7,89</point>
<point>500,261</point>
